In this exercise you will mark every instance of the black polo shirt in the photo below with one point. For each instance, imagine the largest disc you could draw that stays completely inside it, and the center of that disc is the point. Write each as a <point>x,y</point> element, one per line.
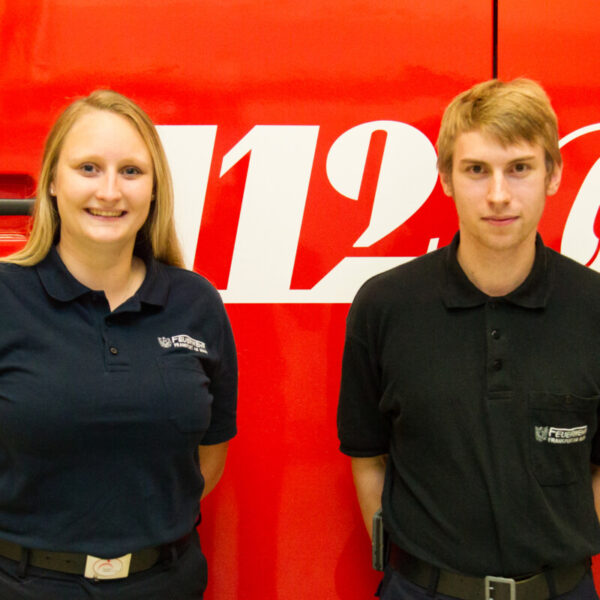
<point>101,413</point>
<point>488,408</point>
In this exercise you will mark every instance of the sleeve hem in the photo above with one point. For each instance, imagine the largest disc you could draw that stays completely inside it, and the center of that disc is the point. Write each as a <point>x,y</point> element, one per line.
<point>218,437</point>
<point>354,453</point>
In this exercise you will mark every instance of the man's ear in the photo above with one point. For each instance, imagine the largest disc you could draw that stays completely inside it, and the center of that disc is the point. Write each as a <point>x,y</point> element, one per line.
<point>446,181</point>
<point>554,180</point>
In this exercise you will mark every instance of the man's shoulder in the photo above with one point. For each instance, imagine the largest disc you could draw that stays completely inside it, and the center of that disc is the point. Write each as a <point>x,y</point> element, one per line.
<point>570,272</point>
<point>411,278</point>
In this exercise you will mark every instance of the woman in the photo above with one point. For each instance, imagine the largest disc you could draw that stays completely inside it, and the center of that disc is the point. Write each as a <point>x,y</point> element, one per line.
<point>115,365</point>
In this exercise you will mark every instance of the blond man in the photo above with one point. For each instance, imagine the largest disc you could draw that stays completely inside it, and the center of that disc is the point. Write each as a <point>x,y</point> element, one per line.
<point>470,384</point>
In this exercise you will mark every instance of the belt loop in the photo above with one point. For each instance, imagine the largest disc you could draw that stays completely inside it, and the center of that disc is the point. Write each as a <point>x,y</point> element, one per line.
<point>434,579</point>
<point>22,566</point>
<point>549,575</point>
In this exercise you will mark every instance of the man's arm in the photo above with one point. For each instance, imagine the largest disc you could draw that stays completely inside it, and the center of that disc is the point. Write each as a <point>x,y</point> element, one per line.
<point>596,487</point>
<point>369,474</point>
<point>212,464</point>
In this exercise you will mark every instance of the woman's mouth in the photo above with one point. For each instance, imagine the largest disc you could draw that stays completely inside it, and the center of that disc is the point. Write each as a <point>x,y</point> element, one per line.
<point>105,213</point>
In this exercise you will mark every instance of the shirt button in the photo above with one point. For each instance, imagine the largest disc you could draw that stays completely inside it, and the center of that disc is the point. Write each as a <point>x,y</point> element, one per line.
<point>492,305</point>
<point>497,364</point>
<point>113,350</point>
<point>495,334</point>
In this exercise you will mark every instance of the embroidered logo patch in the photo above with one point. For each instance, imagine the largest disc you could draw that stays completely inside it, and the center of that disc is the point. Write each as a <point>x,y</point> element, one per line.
<point>561,435</point>
<point>183,341</point>
<point>165,342</point>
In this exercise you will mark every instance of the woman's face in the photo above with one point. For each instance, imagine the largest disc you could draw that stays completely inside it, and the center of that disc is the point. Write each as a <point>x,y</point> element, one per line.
<point>103,183</point>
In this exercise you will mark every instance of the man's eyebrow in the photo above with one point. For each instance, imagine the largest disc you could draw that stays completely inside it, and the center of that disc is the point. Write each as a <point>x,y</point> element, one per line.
<point>484,162</point>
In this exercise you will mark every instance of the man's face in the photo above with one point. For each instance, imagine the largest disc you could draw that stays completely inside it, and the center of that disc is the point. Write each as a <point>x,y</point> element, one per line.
<point>499,191</point>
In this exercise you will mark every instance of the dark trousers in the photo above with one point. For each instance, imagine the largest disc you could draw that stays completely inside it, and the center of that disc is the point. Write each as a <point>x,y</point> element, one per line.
<point>395,587</point>
<point>183,578</point>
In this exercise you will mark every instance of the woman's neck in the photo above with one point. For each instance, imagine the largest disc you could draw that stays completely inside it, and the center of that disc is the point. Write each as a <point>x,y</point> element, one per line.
<point>115,271</point>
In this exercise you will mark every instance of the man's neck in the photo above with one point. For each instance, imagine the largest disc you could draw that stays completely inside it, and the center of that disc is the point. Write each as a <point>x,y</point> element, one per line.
<point>496,272</point>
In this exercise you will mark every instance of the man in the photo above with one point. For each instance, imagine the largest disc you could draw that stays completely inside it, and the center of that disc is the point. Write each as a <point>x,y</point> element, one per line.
<point>471,378</point>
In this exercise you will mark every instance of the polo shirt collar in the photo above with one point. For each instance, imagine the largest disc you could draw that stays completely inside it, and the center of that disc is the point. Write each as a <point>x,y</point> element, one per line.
<point>61,285</point>
<point>155,287</point>
<point>459,292</point>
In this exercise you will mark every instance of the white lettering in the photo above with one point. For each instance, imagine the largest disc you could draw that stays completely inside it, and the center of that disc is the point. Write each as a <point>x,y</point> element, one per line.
<point>275,194</point>
<point>189,149</point>
<point>581,235</point>
<point>557,435</point>
<point>281,159</point>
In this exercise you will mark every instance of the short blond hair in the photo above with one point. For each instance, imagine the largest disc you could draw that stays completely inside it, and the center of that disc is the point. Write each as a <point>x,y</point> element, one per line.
<point>510,112</point>
<point>157,235</point>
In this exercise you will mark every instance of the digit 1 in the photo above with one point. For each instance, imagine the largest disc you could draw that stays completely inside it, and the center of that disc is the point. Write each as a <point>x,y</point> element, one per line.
<point>279,170</point>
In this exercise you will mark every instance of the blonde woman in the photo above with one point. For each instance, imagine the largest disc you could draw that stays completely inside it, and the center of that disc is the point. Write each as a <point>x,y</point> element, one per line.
<point>118,375</point>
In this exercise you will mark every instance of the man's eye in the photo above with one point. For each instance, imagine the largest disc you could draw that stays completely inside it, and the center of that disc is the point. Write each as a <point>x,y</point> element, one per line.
<point>476,169</point>
<point>521,167</point>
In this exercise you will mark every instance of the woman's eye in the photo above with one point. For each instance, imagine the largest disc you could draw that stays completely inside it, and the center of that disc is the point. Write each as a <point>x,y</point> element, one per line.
<point>131,171</point>
<point>87,168</point>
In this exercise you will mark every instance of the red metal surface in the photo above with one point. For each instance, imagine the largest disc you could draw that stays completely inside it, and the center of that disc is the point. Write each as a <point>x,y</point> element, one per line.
<point>283,522</point>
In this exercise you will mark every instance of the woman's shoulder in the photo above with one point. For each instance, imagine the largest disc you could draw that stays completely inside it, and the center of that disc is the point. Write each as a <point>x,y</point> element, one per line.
<point>189,283</point>
<point>10,273</point>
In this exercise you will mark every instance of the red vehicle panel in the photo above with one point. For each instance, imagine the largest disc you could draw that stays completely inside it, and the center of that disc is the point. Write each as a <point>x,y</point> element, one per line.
<point>301,140</point>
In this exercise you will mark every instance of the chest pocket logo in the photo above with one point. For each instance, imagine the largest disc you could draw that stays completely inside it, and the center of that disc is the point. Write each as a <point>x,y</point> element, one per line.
<point>561,428</point>
<point>561,435</point>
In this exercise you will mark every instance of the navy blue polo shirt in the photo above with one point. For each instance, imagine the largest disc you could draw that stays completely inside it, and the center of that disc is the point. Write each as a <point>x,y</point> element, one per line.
<point>488,408</point>
<point>101,413</point>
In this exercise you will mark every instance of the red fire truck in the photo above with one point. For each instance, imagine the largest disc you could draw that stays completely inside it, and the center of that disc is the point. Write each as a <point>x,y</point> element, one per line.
<point>301,136</point>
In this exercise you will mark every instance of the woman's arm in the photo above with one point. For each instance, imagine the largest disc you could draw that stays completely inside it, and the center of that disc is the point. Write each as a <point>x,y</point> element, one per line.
<point>212,464</point>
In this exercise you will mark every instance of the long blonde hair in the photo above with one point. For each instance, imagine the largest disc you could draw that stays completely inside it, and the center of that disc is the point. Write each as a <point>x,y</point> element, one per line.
<point>156,236</point>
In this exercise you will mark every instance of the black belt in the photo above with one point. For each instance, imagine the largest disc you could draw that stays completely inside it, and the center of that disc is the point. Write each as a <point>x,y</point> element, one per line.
<point>465,587</point>
<point>75,563</point>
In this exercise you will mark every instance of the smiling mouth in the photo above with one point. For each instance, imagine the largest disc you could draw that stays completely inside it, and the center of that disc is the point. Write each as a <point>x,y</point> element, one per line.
<point>105,213</point>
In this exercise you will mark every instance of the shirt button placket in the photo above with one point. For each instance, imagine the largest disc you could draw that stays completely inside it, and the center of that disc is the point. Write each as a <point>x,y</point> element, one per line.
<point>111,345</point>
<point>496,346</point>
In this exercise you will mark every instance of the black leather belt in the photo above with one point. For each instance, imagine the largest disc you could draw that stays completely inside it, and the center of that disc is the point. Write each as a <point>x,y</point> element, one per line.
<point>465,587</point>
<point>79,564</point>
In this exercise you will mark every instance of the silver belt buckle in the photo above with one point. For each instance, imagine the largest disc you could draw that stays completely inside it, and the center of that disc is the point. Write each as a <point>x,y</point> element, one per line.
<point>107,568</point>
<point>490,580</point>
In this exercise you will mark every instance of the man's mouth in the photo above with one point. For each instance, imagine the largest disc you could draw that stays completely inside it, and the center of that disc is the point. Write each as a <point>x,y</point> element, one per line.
<point>500,220</point>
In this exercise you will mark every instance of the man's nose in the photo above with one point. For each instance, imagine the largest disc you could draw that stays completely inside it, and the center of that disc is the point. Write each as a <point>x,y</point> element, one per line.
<point>498,191</point>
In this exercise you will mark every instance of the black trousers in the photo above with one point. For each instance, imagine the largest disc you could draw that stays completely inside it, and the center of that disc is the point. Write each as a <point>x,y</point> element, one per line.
<point>183,578</point>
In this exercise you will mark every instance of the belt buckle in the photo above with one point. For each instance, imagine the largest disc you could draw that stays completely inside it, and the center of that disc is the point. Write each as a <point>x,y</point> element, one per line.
<point>489,587</point>
<point>107,568</point>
